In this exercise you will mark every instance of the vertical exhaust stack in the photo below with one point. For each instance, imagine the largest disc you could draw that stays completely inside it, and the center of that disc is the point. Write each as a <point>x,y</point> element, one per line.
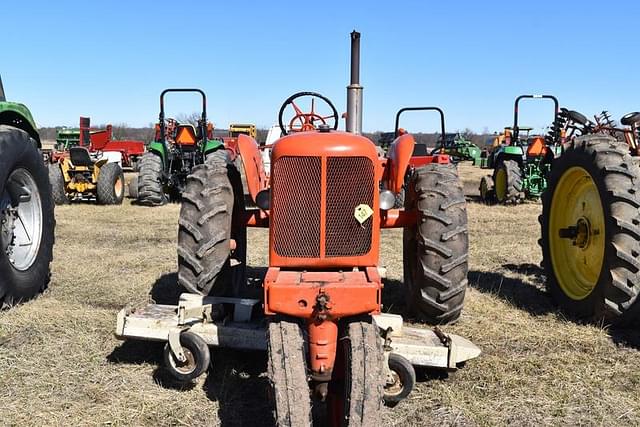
<point>354,90</point>
<point>3,98</point>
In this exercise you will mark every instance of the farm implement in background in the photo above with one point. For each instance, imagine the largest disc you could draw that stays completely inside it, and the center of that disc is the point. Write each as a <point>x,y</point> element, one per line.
<point>100,142</point>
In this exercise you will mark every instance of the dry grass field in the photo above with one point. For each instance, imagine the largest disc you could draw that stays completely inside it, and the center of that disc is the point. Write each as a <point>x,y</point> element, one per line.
<point>61,365</point>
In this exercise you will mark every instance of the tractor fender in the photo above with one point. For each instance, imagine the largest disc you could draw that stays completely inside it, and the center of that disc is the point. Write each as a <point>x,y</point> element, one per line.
<point>157,147</point>
<point>18,115</point>
<point>508,156</point>
<point>513,150</point>
<point>399,154</point>
<point>253,166</point>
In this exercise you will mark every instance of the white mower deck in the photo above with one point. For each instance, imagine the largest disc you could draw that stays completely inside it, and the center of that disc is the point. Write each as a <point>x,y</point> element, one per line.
<point>156,322</point>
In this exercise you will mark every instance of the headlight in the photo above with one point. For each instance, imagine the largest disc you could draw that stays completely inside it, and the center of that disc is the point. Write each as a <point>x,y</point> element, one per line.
<point>387,200</point>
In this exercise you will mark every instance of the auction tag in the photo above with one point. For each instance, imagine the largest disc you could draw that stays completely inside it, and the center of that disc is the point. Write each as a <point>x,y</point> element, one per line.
<point>362,213</point>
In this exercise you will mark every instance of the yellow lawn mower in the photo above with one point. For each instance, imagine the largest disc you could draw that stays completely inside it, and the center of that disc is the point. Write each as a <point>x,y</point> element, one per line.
<point>83,176</point>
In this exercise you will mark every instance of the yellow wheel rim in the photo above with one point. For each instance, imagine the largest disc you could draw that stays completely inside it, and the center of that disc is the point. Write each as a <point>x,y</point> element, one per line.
<point>576,233</point>
<point>118,187</point>
<point>501,184</point>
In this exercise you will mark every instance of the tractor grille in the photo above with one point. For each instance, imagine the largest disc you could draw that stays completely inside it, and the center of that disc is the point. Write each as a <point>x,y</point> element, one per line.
<point>296,206</point>
<point>349,184</point>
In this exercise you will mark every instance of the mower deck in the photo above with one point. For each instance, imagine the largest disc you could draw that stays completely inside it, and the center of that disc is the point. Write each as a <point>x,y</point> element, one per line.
<point>157,322</point>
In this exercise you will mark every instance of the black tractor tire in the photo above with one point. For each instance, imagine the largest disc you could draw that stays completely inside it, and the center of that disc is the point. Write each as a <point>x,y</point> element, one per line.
<point>487,190</point>
<point>614,297</point>
<point>198,358</point>
<point>19,151</point>
<point>133,188</point>
<point>436,248</point>
<point>110,186</point>
<point>513,194</point>
<point>239,284</point>
<point>56,178</point>
<point>150,188</point>
<point>287,372</point>
<point>362,358</point>
<point>205,224</point>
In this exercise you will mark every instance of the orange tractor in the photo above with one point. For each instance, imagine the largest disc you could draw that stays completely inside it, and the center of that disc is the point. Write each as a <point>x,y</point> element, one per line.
<point>325,202</point>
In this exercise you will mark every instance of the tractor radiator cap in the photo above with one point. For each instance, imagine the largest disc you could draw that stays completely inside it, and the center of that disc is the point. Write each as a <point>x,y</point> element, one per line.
<point>324,128</point>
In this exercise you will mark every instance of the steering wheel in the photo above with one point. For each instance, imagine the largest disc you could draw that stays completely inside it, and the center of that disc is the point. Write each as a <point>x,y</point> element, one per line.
<point>304,122</point>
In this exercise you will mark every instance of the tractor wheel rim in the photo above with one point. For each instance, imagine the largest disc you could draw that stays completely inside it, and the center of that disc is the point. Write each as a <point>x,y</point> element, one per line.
<point>186,367</point>
<point>21,220</point>
<point>395,386</point>
<point>576,233</point>
<point>501,184</point>
<point>118,187</point>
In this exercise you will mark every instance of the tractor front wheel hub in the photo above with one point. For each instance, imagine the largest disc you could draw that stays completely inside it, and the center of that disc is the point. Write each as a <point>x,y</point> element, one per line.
<point>577,246</point>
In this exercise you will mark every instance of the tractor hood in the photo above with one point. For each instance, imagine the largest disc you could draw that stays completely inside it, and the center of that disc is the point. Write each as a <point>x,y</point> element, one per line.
<point>325,144</point>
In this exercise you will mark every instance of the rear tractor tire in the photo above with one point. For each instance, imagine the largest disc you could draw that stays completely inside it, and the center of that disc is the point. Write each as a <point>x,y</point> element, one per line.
<point>110,188</point>
<point>133,187</point>
<point>56,178</point>
<point>206,228</point>
<point>507,179</point>
<point>487,190</point>
<point>26,218</point>
<point>150,188</point>
<point>590,235</point>
<point>435,250</point>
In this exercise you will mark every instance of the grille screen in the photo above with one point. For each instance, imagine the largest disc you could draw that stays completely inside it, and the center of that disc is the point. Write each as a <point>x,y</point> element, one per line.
<point>350,182</point>
<point>296,206</point>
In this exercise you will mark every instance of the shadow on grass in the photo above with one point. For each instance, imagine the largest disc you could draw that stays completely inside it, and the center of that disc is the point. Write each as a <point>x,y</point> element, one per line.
<point>137,352</point>
<point>238,382</point>
<point>628,337</point>
<point>513,290</point>
<point>166,290</point>
<point>393,297</point>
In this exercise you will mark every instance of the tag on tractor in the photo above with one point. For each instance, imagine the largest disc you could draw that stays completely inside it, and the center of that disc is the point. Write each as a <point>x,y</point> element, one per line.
<point>362,213</point>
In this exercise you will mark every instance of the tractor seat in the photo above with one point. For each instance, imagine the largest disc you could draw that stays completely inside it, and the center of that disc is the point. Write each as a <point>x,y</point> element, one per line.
<point>420,150</point>
<point>80,157</point>
<point>630,119</point>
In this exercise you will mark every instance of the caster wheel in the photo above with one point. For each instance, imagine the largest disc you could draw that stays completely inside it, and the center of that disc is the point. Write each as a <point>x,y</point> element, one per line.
<point>197,356</point>
<point>401,380</point>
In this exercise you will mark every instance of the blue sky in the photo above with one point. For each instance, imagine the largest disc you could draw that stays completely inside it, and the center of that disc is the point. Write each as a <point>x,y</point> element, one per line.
<point>110,60</point>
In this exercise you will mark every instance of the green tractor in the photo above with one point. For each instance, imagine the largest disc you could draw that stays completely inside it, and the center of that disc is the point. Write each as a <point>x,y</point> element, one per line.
<point>26,207</point>
<point>520,162</point>
<point>458,148</point>
<point>176,149</point>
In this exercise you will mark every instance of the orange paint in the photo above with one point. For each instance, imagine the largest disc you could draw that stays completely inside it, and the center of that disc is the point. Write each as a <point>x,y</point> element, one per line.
<point>322,298</point>
<point>399,156</point>
<point>537,147</point>
<point>186,135</point>
<point>253,166</point>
